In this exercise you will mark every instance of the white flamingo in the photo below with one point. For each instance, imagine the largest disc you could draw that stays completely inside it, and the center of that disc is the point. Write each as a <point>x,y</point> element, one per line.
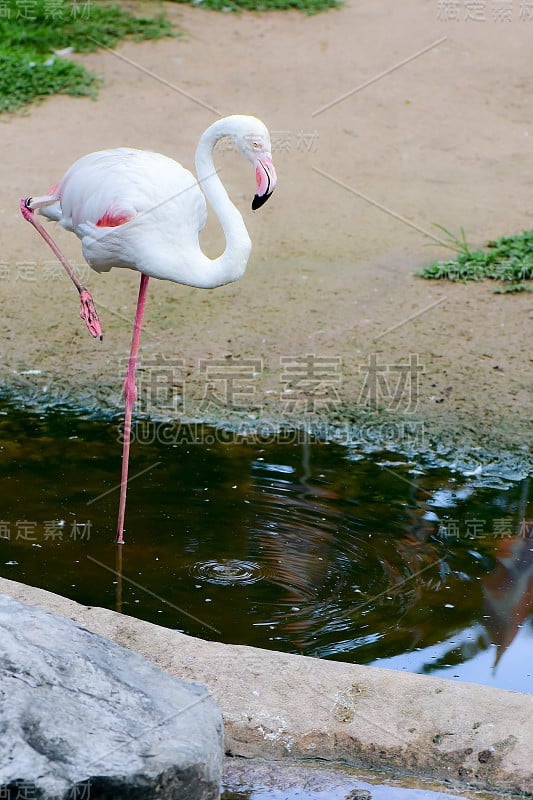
<point>144,211</point>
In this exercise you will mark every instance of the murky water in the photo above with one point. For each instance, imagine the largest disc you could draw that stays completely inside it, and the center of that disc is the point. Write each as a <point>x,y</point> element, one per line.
<point>264,780</point>
<point>289,545</point>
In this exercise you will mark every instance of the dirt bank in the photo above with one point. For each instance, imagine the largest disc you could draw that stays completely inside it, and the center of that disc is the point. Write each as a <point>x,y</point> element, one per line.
<point>328,319</point>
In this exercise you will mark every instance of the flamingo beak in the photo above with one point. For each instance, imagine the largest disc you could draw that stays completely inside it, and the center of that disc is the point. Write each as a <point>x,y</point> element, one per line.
<point>266,179</point>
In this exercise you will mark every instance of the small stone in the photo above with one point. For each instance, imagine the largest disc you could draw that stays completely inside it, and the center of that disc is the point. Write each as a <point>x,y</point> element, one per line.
<point>359,794</point>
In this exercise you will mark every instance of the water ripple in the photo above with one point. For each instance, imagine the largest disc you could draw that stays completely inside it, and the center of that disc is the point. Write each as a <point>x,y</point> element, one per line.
<point>228,572</point>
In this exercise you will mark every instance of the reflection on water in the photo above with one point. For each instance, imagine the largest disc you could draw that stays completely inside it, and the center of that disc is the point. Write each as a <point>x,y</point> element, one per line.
<point>286,545</point>
<point>264,780</point>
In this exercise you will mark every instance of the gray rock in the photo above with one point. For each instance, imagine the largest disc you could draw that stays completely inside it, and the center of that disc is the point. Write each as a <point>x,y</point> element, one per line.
<point>84,719</point>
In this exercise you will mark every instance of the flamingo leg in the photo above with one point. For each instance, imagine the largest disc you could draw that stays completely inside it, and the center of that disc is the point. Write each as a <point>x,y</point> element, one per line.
<point>130,394</point>
<point>87,310</point>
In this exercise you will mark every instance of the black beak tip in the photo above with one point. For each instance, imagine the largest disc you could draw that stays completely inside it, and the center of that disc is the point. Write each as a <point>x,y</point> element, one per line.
<point>260,200</point>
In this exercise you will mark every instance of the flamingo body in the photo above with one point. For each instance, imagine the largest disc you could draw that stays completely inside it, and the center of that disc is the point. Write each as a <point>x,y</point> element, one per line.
<point>134,209</point>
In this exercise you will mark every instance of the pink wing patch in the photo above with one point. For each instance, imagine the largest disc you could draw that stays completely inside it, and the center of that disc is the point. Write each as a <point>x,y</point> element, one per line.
<point>53,189</point>
<point>113,218</point>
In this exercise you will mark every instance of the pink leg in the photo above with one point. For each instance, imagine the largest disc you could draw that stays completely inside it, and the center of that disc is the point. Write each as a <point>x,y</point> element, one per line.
<point>130,393</point>
<point>87,309</point>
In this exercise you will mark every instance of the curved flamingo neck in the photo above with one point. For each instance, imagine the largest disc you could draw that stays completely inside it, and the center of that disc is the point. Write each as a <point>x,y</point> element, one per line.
<point>231,265</point>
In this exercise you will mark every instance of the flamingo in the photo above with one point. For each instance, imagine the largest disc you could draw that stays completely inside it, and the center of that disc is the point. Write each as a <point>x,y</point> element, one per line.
<point>141,210</point>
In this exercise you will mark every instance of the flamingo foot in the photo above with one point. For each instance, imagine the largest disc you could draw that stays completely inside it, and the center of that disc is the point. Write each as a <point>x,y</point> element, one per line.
<point>89,314</point>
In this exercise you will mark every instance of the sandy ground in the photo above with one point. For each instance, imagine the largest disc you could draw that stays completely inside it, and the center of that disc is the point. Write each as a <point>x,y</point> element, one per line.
<point>446,137</point>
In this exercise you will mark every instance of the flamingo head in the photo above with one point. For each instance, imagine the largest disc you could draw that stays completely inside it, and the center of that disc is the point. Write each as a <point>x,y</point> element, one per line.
<point>253,140</point>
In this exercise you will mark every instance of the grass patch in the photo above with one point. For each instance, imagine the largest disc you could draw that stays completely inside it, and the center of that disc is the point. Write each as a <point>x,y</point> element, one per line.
<point>23,78</point>
<point>31,32</point>
<point>307,6</point>
<point>508,260</point>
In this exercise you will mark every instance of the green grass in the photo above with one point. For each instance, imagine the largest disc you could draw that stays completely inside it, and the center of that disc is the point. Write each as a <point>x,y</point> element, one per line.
<point>508,260</point>
<point>307,6</point>
<point>31,32</point>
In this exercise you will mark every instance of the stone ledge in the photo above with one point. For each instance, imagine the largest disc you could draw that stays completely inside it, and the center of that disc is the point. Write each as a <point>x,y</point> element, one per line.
<point>277,705</point>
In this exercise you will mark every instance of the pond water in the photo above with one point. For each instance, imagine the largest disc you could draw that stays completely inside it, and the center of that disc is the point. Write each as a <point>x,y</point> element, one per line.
<point>264,780</point>
<point>286,544</point>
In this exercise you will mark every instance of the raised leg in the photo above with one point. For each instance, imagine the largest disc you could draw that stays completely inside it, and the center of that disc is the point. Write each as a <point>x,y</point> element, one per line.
<point>130,394</point>
<point>87,309</point>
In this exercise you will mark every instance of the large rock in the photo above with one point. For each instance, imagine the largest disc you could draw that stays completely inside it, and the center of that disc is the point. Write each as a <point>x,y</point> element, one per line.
<point>81,717</point>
